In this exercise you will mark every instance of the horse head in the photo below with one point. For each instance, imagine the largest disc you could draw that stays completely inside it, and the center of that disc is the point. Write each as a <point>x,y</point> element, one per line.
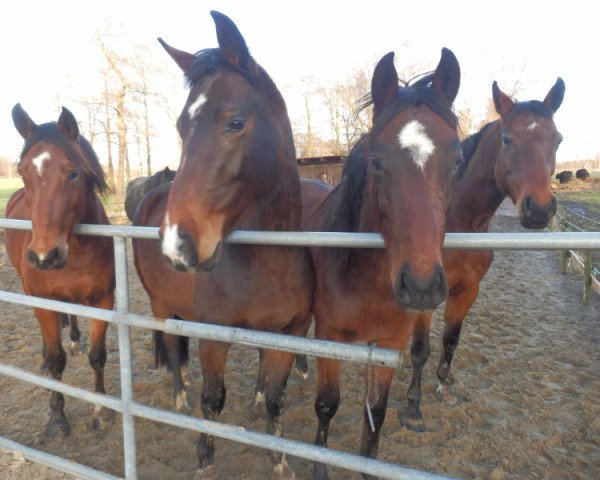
<point>237,148</point>
<point>411,151</point>
<point>526,156</point>
<point>59,170</point>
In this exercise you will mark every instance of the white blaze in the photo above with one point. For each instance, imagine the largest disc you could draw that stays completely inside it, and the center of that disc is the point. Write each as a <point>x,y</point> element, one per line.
<point>415,139</point>
<point>39,161</point>
<point>532,126</point>
<point>195,108</point>
<point>171,242</point>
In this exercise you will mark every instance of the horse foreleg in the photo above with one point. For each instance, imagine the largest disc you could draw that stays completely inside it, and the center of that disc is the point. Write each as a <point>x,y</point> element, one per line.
<point>55,360</point>
<point>276,367</point>
<point>97,356</point>
<point>420,350</point>
<point>302,366</point>
<point>327,402</point>
<point>259,409</point>
<point>213,357</point>
<point>456,310</point>
<point>371,433</point>
<point>75,335</point>
<point>176,348</point>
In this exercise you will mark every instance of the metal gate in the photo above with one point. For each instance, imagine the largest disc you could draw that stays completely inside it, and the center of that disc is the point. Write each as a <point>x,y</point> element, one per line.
<point>129,409</point>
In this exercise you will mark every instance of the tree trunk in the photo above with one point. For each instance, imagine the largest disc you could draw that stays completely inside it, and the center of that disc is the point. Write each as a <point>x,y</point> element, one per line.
<point>122,136</point>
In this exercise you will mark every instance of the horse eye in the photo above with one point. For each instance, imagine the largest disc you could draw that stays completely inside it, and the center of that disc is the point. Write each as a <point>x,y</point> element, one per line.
<point>505,141</point>
<point>236,124</point>
<point>376,164</point>
<point>74,175</point>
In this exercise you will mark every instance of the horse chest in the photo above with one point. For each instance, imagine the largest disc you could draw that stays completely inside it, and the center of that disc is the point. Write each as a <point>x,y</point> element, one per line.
<point>268,287</point>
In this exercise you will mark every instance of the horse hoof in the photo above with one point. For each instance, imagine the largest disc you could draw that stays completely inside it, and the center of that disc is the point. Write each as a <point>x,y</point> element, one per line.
<point>259,410</point>
<point>282,471</point>
<point>57,426</point>
<point>413,424</point>
<point>301,368</point>
<point>186,376</point>
<point>439,392</point>
<point>181,403</point>
<point>103,418</point>
<point>320,472</point>
<point>76,349</point>
<point>206,473</point>
<point>44,370</point>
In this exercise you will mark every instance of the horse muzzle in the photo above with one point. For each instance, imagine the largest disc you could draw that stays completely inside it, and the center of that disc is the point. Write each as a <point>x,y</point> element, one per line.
<point>182,253</point>
<point>53,260</point>
<point>535,216</point>
<point>420,295</point>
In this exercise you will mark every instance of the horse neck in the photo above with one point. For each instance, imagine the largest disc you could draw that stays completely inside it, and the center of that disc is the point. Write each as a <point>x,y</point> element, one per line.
<point>475,197</point>
<point>281,209</point>
<point>92,213</point>
<point>368,261</point>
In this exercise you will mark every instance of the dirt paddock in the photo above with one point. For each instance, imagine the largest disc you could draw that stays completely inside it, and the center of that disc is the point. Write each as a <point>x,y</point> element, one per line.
<point>525,402</point>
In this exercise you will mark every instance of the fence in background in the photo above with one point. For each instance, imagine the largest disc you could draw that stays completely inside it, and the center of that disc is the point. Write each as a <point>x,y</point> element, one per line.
<point>129,409</point>
<point>569,220</point>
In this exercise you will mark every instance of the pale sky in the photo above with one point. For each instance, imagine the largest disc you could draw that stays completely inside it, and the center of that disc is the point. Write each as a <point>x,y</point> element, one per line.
<point>47,51</point>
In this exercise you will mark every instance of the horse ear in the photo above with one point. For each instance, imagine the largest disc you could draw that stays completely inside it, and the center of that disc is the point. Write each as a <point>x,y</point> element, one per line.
<point>232,44</point>
<point>446,78</point>
<point>68,125</point>
<point>555,96</point>
<point>23,123</point>
<point>503,103</point>
<point>183,59</point>
<point>384,84</point>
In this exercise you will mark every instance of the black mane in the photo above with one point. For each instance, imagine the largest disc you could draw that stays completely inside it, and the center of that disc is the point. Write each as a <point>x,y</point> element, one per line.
<point>81,153</point>
<point>210,60</point>
<point>344,212</point>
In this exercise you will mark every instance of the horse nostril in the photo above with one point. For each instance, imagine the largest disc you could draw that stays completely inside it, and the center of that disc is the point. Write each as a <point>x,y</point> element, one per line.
<point>421,294</point>
<point>52,256</point>
<point>32,257</point>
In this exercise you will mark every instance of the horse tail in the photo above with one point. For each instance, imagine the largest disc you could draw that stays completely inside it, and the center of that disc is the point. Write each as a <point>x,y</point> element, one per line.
<point>161,356</point>
<point>161,359</point>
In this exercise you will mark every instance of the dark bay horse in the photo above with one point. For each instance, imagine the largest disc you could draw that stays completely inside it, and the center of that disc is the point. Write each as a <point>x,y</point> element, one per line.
<point>238,171</point>
<point>395,182</point>
<point>170,292</point>
<point>62,180</point>
<point>138,187</point>
<point>514,156</point>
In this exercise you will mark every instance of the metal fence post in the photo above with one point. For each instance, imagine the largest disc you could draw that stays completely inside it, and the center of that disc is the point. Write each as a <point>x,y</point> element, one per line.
<point>587,276</point>
<point>125,360</point>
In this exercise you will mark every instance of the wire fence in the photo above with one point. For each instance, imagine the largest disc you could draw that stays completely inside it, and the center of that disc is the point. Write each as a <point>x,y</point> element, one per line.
<point>129,408</point>
<point>570,220</point>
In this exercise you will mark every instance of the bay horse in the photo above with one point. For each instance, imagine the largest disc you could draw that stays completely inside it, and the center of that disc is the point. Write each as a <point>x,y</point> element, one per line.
<point>395,182</point>
<point>138,187</point>
<point>238,171</point>
<point>514,156</point>
<point>170,292</point>
<point>62,182</point>
<point>171,296</point>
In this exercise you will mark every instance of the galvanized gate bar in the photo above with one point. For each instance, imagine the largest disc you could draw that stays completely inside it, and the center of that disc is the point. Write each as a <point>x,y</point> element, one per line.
<point>383,357</point>
<point>55,305</point>
<point>292,447</point>
<point>105,400</point>
<point>125,357</point>
<point>489,240</point>
<point>287,343</point>
<point>57,463</point>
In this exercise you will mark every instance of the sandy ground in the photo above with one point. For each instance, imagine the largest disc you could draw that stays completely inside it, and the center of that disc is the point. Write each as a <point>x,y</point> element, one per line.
<point>525,402</point>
